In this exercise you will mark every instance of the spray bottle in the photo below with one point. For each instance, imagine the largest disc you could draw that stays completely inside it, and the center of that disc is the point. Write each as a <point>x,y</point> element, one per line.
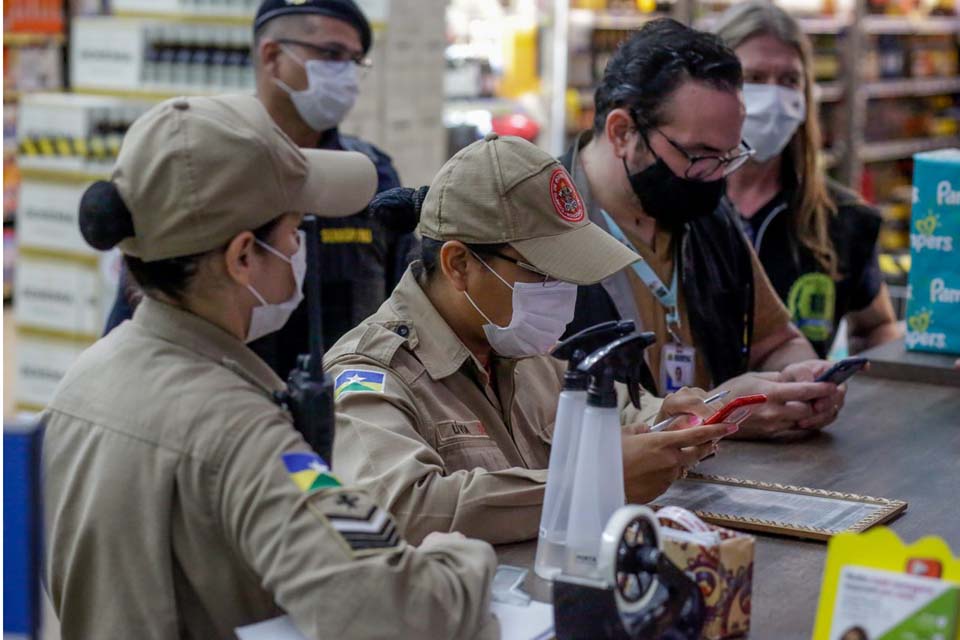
<point>551,545</point>
<point>598,479</point>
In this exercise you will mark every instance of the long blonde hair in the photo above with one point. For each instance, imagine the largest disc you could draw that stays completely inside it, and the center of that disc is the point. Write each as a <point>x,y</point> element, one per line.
<point>812,204</point>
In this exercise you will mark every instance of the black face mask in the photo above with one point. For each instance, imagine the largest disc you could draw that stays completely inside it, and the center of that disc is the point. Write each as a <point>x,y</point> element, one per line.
<point>673,201</point>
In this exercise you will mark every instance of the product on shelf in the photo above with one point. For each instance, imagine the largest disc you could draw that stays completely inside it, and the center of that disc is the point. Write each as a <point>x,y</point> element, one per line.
<point>33,16</point>
<point>64,132</point>
<point>188,7</point>
<point>160,56</point>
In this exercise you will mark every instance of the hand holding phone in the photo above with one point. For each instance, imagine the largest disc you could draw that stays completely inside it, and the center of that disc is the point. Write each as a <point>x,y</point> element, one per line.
<point>737,410</point>
<point>843,370</point>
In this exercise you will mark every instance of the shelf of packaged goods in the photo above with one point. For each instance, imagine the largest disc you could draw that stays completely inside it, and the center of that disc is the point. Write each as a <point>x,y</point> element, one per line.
<point>24,39</point>
<point>829,91</point>
<point>824,25</point>
<point>42,333</point>
<point>905,25</point>
<point>816,25</point>
<point>912,87</point>
<point>138,94</point>
<point>900,149</point>
<point>60,175</point>
<point>612,20</point>
<point>222,19</point>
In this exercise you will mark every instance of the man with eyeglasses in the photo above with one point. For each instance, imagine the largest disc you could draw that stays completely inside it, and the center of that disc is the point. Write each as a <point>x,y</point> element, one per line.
<point>666,133</point>
<point>445,398</point>
<point>308,56</point>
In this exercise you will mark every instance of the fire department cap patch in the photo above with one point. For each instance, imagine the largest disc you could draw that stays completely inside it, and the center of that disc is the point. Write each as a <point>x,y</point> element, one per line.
<point>565,198</point>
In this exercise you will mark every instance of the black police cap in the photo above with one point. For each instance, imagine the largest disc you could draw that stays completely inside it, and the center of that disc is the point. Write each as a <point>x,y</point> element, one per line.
<point>346,10</point>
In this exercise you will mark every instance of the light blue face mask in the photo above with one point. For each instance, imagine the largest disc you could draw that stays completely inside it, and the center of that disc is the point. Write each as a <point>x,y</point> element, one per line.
<point>330,94</point>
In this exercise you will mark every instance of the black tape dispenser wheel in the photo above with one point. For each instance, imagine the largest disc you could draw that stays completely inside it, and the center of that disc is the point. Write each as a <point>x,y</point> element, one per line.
<point>628,556</point>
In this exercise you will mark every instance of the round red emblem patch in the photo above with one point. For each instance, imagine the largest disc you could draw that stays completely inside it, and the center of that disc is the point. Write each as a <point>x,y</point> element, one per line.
<point>565,198</point>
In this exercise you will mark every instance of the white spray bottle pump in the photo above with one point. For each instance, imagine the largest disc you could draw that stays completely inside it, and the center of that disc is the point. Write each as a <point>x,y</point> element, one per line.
<point>598,479</point>
<point>551,545</point>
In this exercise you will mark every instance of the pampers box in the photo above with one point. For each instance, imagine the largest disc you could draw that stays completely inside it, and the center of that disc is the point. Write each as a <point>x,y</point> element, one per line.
<point>933,306</point>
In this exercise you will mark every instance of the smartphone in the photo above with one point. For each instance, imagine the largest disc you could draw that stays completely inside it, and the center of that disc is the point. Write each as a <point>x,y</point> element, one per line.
<point>841,372</point>
<point>737,410</point>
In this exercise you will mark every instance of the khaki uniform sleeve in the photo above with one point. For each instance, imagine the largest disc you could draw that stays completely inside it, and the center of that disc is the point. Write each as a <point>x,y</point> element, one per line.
<point>630,415</point>
<point>330,556</point>
<point>770,315</point>
<point>379,448</point>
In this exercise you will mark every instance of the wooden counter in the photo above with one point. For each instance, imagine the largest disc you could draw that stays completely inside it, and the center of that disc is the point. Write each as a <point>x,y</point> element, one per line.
<point>893,440</point>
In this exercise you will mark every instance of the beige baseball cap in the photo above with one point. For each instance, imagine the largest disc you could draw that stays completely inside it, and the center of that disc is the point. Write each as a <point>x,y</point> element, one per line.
<point>507,190</point>
<point>194,172</point>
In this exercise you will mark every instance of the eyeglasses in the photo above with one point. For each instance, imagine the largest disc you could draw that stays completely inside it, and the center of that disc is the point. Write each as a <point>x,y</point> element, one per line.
<point>330,53</point>
<point>548,280</point>
<point>705,167</point>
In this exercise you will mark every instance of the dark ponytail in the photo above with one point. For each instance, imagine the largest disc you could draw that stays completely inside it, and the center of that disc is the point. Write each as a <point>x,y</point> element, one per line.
<point>105,221</point>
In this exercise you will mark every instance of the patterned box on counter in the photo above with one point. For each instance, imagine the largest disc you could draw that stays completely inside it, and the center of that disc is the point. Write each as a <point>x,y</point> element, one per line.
<point>933,295</point>
<point>721,563</point>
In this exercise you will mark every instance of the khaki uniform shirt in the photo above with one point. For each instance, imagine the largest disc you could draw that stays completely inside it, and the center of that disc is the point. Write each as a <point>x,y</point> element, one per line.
<point>173,509</point>
<point>442,442</point>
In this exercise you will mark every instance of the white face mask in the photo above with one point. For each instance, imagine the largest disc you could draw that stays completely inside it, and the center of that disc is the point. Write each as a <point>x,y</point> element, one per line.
<point>541,313</point>
<point>270,317</point>
<point>331,91</point>
<point>773,115</point>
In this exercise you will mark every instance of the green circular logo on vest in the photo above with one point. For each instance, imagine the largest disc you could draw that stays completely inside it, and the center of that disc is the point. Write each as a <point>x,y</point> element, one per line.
<point>811,302</point>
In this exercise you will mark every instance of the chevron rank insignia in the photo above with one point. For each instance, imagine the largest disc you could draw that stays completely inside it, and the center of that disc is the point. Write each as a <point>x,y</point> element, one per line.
<point>363,526</point>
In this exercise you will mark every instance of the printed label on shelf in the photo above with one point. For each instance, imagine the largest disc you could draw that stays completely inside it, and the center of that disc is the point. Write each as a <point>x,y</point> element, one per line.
<point>106,53</point>
<point>47,217</point>
<point>41,364</point>
<point>59,295</point>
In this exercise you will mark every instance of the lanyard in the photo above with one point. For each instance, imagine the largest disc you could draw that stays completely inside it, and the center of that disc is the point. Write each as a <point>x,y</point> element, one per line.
<point>666,297</point>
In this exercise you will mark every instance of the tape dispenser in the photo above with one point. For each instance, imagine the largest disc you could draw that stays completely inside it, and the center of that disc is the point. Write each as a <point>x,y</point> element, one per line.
<point>637,592</point>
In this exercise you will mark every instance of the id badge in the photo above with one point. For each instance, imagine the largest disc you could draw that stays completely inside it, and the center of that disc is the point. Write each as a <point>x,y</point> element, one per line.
<point>676,367</point>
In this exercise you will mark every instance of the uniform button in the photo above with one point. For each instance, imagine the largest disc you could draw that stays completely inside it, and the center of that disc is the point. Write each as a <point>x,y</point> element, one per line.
<point>491,136</point>
<point>181,104</point>
<point>403,331</point>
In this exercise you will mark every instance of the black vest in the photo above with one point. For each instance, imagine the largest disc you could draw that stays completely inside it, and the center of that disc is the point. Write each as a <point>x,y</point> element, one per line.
<point>716,275</point>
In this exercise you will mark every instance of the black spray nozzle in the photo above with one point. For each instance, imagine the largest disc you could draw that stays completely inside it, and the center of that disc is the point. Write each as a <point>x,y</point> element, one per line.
<point>578,346</point>
<point>619,361</point>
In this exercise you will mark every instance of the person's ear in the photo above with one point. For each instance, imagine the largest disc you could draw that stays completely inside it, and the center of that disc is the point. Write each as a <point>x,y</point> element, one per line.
<point>238,258</point>
<point>455,263</point>
<point>269,52</point>
<point>621,132</point>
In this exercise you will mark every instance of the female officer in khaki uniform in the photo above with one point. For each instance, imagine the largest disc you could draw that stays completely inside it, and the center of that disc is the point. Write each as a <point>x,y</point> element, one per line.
<point>445,399</point>
<point>179,500</point>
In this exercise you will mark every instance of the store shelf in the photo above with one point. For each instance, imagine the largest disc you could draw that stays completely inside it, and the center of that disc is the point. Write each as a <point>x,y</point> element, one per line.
<point>43,333</point>
<point>225,19</point>
<point>611,20</point>
<point>827,25</point>
<point>909,25</point>
<point>829,91</point>
<point>58,175</point>
<point>232,19</point>
<point>136,94</point>
<point>18,39</point>
<point>91,259</point>
<point>912,87</point>
<point>900,149</point>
